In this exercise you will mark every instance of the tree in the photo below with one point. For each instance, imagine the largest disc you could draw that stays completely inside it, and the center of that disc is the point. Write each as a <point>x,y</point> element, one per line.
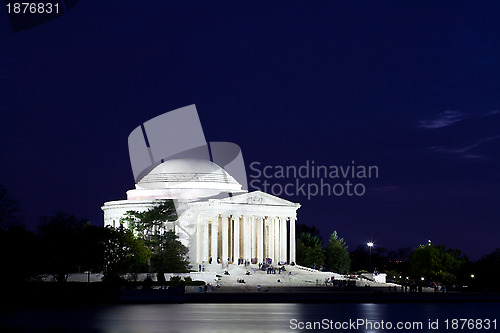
<point>19,255</point>
<point>301,228</point>
<point>61,244</point>
<point>437,263</point>
<point>149,224</point>
<point>69,244</point>
<point>123,253</point>
<point>309,251</point>
<point>172,257</point>
<point>487,271</point>
<point>10,211</point>
<point>168,253</point>
<point>336,255</point>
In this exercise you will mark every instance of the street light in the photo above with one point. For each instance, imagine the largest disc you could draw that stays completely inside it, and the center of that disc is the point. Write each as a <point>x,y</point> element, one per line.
<point>370,245</point>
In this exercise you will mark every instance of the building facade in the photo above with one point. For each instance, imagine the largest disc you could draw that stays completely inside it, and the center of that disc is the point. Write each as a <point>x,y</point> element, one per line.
<point>217,220</point>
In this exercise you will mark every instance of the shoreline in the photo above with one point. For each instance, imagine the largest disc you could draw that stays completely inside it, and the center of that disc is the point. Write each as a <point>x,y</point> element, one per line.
<point>93,294</point>
<point>306,295</point>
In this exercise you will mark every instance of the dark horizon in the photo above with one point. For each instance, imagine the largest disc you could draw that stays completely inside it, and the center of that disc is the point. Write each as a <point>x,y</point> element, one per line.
<point>410,88</point>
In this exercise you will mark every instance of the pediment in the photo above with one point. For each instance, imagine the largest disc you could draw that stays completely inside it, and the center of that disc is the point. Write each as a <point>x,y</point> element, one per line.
<point>259,198</point>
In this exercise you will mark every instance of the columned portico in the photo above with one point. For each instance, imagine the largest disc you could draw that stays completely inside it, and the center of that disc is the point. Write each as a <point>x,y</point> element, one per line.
<point>246,230</point>
<point>246,237</point>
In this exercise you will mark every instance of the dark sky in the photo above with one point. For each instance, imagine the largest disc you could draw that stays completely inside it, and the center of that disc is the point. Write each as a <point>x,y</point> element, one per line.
<point>411,88</point>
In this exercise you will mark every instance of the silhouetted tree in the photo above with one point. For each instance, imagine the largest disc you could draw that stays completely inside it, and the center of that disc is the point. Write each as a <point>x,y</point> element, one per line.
<point>486,272</point>
<point>360,258</point>
<point>61,244</point>
<point>301,228</point>
<point>19,255</point>
<point>10,210</point>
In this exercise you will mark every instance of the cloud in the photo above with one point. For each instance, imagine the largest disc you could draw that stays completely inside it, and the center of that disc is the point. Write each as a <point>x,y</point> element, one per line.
<point>466,135</point>
<point>448,118</point>
<point>465,151</point>
<point>490,113</point>
<point>443,119</point>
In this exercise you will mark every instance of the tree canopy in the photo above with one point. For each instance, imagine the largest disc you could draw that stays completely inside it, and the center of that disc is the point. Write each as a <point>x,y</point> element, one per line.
<point>437,263</point>
<point>336,255</point>
<point>168,254</point>
<point>10,210</point>
<point>487,271</point>
<point>149,224</point>
<point>123,253</point>
<point>309,251</point>
<point>62,246</point>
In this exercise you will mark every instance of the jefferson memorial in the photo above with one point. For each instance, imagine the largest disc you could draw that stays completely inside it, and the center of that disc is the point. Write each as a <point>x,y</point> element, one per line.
<point>217,219</point>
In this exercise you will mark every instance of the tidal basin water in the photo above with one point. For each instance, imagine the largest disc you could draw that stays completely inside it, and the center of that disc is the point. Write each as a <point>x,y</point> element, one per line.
<point>269,317</point>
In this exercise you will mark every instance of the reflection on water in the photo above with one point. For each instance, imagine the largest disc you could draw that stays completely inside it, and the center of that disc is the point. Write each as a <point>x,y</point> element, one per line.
<point>232,317</point>
<point>200,317</point>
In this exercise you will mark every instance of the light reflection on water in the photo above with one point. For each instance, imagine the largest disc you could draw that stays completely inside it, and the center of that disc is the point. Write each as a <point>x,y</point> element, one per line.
<point>230,317</point>
<point>199,318</point>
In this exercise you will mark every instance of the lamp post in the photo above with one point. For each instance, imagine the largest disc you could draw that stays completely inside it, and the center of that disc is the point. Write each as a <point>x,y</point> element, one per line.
<point>370,245</point>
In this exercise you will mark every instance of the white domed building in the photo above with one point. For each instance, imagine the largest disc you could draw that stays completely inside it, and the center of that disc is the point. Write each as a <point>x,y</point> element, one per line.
<point>216,218</point>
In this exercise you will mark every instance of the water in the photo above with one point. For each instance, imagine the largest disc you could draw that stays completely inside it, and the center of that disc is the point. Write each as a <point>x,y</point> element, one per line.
<point>241,317</point>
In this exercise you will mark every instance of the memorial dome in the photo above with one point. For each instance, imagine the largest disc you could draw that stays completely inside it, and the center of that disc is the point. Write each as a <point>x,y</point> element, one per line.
<point>184,179</point>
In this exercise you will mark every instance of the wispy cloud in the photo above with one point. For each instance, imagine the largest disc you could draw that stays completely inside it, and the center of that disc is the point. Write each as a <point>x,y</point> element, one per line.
<point>448,118</point>
<point>443,119</point>
<point>465,151</point>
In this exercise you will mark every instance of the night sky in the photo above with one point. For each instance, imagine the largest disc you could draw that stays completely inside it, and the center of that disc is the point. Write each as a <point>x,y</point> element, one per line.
<point>411,88</point>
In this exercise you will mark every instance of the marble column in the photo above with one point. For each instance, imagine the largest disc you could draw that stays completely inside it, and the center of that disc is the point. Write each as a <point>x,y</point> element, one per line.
<point>199,226</point>
<point>247,238</point>
<point>254,237</point>
<point>260,239</point>
<point>236,238</point>
<point>225,235</point>
<point>215,230</point>
<point>204,237</point>
<point>277,234</point>
<point>230,240</point>
<point>265,227</point>
<point>283,242</point>
<point>271,238</point>
<point>292,240</point>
